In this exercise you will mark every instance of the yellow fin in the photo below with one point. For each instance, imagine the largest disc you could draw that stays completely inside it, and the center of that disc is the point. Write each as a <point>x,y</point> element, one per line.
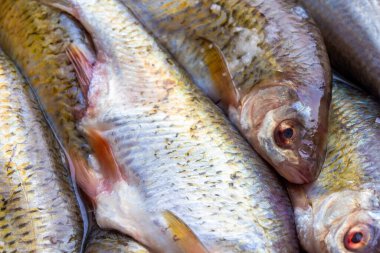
<point>182,234</point>
<point>220,74</point>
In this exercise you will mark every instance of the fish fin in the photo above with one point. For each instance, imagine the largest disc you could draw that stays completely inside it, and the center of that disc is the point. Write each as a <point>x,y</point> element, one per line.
<point>83,67</point>
<point>105,156</point>
<point>84,176</point>
<point>63,5</point>
<point>220,74</point>
<point>183,235</point>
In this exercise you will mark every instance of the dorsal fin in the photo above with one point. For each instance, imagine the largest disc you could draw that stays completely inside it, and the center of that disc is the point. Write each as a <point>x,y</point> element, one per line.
<point>182,234</point>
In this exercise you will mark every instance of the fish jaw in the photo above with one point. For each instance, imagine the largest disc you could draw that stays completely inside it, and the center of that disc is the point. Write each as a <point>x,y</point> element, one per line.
<point>264,116</point>
<point>327,225</point>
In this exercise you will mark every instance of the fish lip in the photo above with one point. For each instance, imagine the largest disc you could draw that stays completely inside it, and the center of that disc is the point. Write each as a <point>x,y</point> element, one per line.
<point>299,174</point>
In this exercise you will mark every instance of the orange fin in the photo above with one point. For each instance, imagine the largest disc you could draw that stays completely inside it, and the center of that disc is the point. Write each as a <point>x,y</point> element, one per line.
<point>182,234</point>
<point>83,67</point>
<point>84,176</point>
<point>220,74</point>
<point>104,154</point>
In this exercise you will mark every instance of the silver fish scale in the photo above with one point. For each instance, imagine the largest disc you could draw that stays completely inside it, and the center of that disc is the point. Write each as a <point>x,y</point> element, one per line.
<point>188,157</point>
<point>38,211</point>
<point>194,172</point>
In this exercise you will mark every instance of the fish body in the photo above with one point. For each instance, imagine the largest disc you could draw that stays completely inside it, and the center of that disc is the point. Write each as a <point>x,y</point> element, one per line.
<point>351,30</point>
<point>38,212</point>
<point>340,212</point>
<point>167,154</point>
<point>263,62</point>
<point>35,37</point>
<point>103,241</point>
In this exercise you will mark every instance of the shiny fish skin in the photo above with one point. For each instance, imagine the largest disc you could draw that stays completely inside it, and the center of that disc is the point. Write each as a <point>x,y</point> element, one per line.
<point>38,212</point>
<point>351,30</point>
<point>185,155</point>
<point>278,63</point>
<point>35,37</point>
<point>102,241</point>
<point>347,193</point>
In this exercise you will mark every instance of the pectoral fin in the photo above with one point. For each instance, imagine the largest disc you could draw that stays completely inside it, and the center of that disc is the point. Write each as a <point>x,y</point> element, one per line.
<point>103,152</point>
<point>182,234</point>
<point>83,67</point>
<point>220,74</point>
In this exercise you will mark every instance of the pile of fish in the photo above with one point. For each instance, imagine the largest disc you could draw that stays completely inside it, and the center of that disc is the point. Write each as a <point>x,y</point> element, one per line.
<point>210,126</point>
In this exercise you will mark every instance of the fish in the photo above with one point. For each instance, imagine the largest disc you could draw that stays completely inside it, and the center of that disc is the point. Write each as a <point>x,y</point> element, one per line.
<point>38,211</point>
<point>340,212</point>
<point>35,37</point>
<point>105,241</point>
<point>351,30</point>
<point>263,62</point>
<point>173,173</point>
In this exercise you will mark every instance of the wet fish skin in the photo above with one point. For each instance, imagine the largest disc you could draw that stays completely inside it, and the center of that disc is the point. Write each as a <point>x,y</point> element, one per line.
<point>278,64</point>
<point>35,37</point>
<point>351,30</point>
<point>105,241</point>
<point>38,212</point>
<point>185,155</point>
<point>346,197</point>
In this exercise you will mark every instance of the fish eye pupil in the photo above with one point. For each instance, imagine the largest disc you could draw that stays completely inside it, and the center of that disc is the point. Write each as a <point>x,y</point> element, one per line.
<point>357,237</point>
<point>288,133</point>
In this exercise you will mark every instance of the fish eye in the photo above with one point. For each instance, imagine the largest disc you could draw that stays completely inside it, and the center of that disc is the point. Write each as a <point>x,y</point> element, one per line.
<point>357,238</point>
<point>286,133</point>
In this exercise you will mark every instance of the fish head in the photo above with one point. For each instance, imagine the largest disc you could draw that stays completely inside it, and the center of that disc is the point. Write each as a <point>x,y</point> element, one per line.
<point>285,130</point>
<point>347,221</point>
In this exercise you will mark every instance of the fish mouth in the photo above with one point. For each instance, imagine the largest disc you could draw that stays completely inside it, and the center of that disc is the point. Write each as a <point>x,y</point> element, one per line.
<point>299,174</point>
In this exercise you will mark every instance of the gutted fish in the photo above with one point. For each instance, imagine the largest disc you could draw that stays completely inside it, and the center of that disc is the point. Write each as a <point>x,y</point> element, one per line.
<point>38,211</point>
<point>340,212</point>
<point>351,30</point>
<point>172,171</point>
<point>105,241</point>
<point>263,62</point>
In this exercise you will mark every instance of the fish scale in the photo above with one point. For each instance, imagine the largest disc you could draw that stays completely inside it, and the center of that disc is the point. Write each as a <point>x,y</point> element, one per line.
<point>35,37</point>
<point>263,62</point>
<point>351,30</point>
<point>346,197</point>
<point>30,32</point>
<point>38,211</point>
<point>112,242</point>
<point>209,177</point>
